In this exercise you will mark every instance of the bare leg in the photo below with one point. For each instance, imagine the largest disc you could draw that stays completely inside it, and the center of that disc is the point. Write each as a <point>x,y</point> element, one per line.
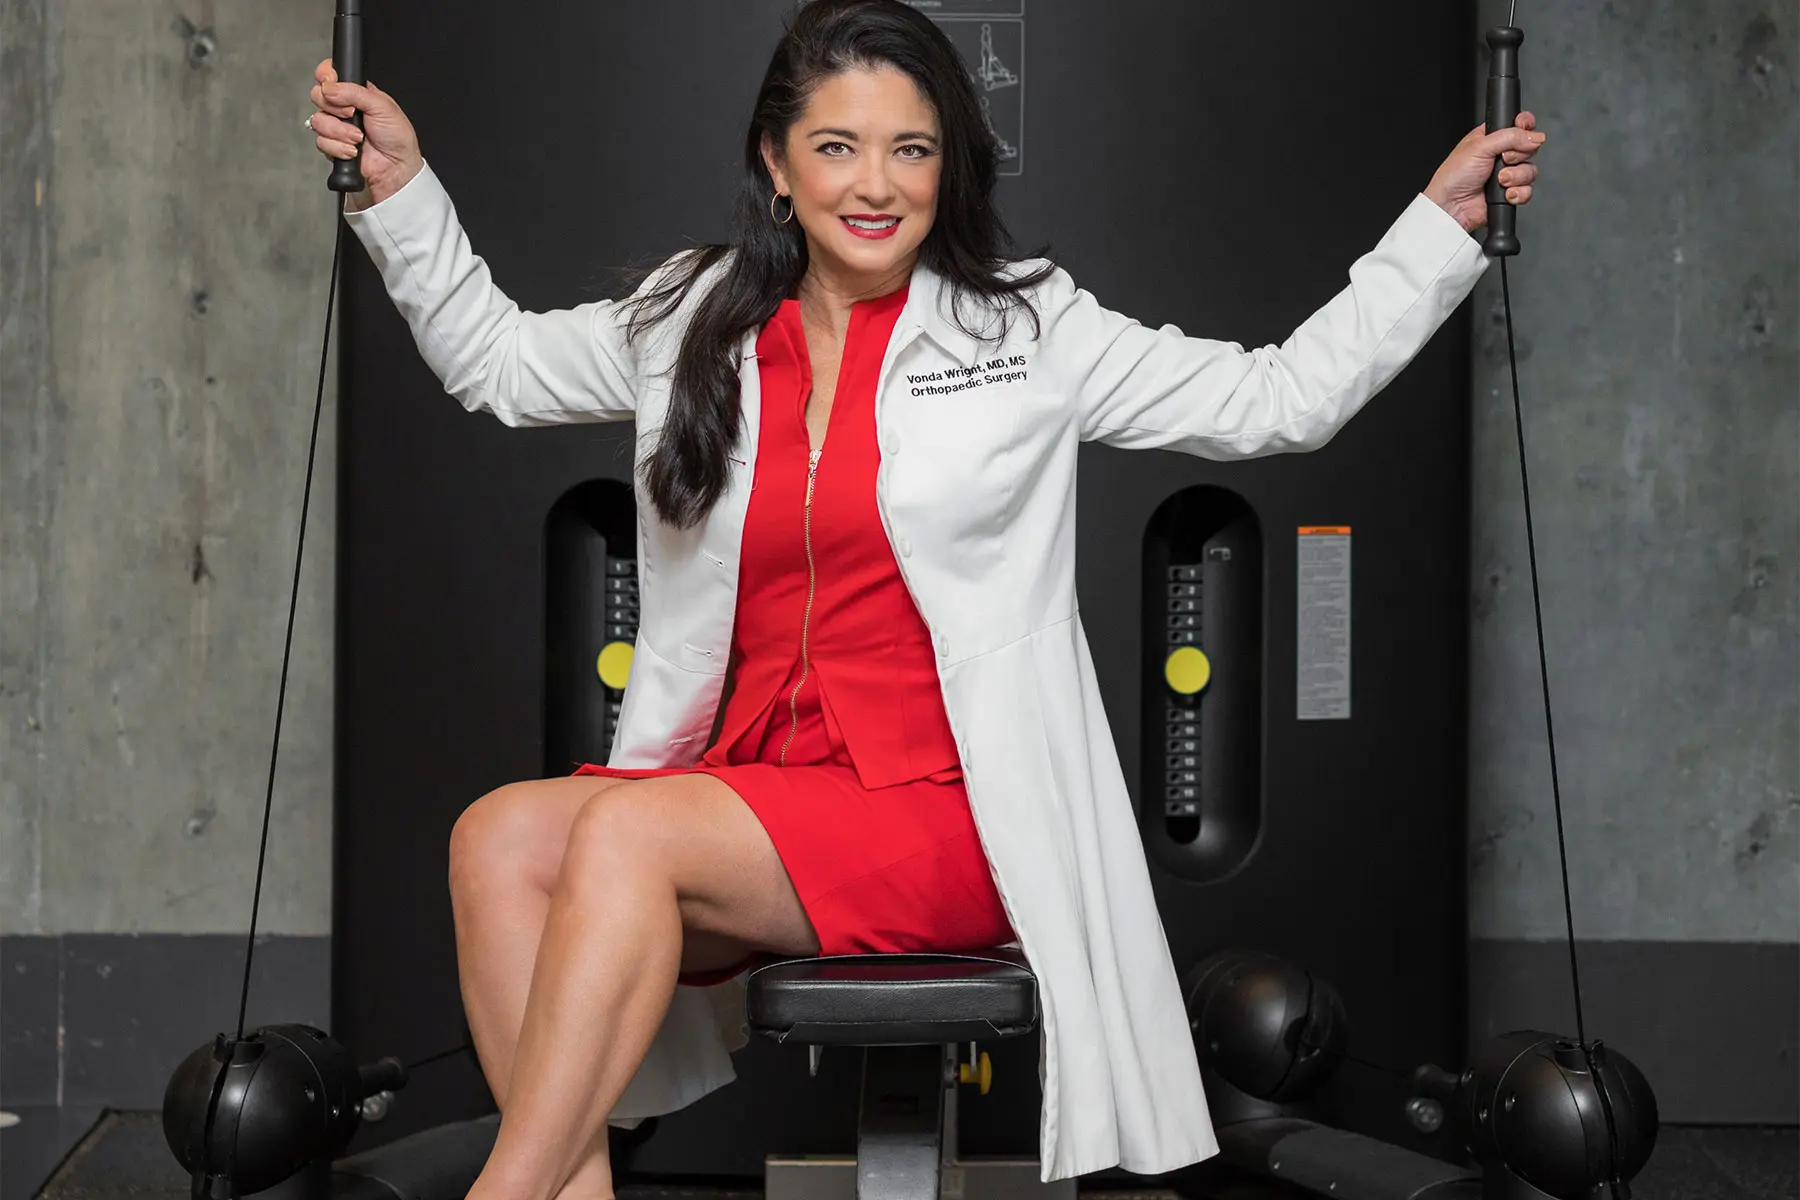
<point>664,874</point>
<point>505,855</point>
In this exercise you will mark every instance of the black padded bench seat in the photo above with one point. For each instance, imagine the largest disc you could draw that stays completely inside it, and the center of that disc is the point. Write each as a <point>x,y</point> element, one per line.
<point>907,1013</point>
<point>893,999</point>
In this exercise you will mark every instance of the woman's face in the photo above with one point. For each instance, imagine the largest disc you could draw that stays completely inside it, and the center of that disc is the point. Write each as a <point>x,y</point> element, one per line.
<point>862,168</point>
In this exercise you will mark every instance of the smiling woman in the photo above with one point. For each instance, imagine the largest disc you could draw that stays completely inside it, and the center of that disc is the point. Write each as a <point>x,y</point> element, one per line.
<point>867,122</point>
<point>862,161</point>
<point>862,713</point>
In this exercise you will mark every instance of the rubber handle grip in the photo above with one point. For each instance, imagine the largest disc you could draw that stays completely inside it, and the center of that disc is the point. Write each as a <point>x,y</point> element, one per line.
<point>347,61</point>
<point>1502,111</point>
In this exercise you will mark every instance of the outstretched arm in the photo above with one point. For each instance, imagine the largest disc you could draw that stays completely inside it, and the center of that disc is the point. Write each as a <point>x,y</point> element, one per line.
<point>1139,388</point>
<point>524,368</point>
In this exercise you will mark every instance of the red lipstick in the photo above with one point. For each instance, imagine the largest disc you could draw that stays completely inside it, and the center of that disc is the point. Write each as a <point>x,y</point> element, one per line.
<point>885,225</point>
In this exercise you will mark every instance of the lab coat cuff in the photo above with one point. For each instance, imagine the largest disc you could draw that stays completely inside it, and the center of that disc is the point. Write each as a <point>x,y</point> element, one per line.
<point>1430,236</point>
<point>421,202</point>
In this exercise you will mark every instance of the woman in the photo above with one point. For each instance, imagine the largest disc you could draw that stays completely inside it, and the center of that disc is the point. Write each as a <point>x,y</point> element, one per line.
<point>862,715</point>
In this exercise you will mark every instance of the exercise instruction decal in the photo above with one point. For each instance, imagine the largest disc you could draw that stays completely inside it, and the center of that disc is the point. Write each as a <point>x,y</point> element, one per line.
<point>991,36</point>
<point>1323,667</point>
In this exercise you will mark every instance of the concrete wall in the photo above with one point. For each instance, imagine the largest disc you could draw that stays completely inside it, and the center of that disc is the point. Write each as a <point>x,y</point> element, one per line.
<point>164,248</point>
<point>167,242</point>
<point>1655,309</point>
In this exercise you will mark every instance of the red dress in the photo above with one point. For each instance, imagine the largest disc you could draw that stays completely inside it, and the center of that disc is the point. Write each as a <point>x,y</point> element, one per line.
<point>835,733</point>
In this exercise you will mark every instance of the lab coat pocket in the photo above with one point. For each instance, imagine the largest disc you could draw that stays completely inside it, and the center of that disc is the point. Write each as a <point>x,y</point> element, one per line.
<point>963,458</point>
<point>948,458</point>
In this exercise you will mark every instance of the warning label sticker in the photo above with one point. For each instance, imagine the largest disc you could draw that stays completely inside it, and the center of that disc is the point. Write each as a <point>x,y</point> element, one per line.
<point>1323,672</point>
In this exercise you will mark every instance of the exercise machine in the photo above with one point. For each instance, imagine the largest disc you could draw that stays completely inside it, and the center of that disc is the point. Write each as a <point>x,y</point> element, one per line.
<point>272,1111</point>
<point>1544,1117</point>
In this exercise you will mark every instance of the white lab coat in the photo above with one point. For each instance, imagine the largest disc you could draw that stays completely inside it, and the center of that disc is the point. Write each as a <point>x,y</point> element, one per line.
<point>976,492</point>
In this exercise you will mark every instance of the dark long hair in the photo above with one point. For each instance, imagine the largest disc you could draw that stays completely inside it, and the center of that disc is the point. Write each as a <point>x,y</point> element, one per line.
<point>968,244</point>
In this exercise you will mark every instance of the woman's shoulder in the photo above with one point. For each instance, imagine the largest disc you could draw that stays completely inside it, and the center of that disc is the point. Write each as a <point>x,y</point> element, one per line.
<point>1041,275</point>
<point>1044,284</point>
<point>1015,303</point>
<point>698,269</point>
<point>1045,288</point>
<point>664,298</point>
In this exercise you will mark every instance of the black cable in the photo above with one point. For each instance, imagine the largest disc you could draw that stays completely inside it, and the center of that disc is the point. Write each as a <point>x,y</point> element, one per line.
<point>1537,605</point>
<point>1346,1056</point>
<point>441,1054</point>
<point>287,648</point>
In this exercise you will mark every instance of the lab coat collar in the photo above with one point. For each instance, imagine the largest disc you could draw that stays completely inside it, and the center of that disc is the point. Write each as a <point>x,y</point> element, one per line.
<point>927,309</point>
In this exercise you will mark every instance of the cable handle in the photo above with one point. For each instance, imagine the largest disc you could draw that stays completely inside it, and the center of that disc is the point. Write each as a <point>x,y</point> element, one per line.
<point>1502,242</point>
<point>1502,112</point>
<point>347,61</point>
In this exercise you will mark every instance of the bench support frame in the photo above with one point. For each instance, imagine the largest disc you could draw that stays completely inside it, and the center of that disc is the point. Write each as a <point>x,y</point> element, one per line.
<point>906,1143</point>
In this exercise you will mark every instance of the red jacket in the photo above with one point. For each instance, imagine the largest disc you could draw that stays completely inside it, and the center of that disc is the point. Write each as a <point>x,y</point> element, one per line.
<point>868,686</point>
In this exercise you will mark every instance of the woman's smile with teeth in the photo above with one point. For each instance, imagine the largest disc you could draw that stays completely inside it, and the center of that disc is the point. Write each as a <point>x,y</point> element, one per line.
<point>871,227</point>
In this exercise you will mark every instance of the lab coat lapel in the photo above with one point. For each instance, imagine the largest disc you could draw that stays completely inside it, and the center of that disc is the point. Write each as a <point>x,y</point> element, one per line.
<point>928,309</point>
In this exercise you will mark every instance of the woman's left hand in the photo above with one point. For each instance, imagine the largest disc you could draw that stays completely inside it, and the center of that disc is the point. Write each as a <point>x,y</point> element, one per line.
<point>1460,185</point>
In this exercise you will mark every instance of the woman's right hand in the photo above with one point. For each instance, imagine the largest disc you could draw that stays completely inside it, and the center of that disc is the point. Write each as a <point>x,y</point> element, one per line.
<point>390,146</point>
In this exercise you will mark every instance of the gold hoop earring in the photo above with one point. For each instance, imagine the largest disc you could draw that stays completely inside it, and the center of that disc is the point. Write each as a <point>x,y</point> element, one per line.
<point>773,217</point>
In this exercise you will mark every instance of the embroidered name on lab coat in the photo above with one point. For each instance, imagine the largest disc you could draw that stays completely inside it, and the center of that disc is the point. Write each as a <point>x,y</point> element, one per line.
<point>1014,369</point>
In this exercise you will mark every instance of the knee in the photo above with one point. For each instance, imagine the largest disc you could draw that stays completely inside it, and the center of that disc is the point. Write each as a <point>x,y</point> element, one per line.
<point>615,831</point>
<point>503,835</point>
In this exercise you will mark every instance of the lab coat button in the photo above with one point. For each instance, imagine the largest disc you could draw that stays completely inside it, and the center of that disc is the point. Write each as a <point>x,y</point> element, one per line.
<point>905,547</point>
<point>943,646</point>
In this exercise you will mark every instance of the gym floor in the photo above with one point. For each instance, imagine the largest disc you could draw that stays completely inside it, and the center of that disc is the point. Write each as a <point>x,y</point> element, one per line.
<point>121,1156</point>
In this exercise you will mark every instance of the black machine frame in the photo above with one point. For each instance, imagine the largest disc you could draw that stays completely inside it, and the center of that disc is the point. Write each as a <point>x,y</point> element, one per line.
<point>1354,865</point>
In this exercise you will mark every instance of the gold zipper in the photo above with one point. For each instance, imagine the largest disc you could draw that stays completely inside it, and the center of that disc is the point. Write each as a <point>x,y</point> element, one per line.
<point>812,579</point>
